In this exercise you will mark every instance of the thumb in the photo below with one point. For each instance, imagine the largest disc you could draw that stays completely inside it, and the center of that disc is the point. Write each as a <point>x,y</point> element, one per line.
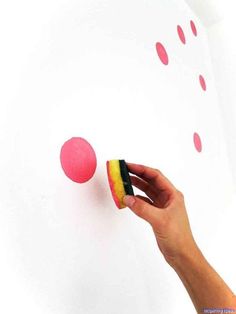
<point>143,209</point>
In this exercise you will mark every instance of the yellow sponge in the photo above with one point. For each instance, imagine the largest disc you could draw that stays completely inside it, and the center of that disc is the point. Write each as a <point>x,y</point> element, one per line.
<point>119,181</point>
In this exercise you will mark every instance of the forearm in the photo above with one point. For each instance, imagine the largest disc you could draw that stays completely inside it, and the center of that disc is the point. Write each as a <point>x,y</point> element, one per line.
<point>205,287</point>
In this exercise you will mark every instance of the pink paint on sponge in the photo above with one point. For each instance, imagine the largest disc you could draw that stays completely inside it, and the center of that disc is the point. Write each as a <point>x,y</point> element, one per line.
<point>78,159</point>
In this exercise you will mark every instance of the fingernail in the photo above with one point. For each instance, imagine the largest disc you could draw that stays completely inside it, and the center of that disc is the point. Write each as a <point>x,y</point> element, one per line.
<point>129,200</point>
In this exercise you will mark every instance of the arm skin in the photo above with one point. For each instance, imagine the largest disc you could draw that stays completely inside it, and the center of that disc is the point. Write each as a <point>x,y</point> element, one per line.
<point>164,209</point>
<point>205,287</point>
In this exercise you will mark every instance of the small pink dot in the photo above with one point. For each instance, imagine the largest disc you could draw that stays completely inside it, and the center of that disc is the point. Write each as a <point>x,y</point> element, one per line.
<point>161,51</point>
<point>202,82</point>
<point>193,27</point>
<point>197,142</point>
<point>78,159</point>
<point>181,34</point>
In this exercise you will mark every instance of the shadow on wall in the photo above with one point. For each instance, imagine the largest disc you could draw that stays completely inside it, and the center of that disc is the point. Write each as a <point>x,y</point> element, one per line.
<point>209,11</point>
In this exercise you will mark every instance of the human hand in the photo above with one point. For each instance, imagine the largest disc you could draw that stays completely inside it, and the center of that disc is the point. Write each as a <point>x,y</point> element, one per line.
<point>164,209</point>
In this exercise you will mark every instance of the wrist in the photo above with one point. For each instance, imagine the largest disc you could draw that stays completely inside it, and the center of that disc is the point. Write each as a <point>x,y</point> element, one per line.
<point>187,257</point>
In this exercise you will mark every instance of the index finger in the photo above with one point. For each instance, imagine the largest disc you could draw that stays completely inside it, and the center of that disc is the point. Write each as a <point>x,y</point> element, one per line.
<point>152,176</point>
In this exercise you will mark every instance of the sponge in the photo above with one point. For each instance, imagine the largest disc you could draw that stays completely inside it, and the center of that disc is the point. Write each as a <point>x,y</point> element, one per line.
<point>119,181</point>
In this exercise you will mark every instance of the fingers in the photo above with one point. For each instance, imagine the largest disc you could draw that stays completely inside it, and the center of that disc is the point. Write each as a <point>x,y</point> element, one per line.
<point>145,199</point>
<point>144,186</point>
<point>141,208</point>
<point>151,175</point>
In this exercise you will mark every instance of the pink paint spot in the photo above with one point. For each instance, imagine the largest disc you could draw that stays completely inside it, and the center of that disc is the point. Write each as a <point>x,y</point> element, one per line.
<point>161,51</point>
<point>181,34</point>
<point>78,159</point>
<point>202,82</point>
<point>193,27</point>
<point>197,142</point>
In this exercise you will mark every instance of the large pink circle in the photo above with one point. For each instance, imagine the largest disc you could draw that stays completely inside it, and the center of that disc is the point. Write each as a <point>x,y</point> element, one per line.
<point>181,34</point>
<point>197,142</point>
<point>202,82</point>
<point>193,27</point>
<point>161,51</point>
<point>78,159</point>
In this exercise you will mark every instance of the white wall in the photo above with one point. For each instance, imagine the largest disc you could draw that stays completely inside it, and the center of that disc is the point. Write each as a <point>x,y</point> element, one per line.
<point>90,69</point>
<point>223,51</point>
<point>219,19</point>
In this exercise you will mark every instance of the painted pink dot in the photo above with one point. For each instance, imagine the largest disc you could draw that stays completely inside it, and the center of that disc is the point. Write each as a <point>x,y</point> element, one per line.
<point>197,142</point>
<point>78,159</point>
<point>202,82</point>
<point>193,27</point>
<point>161,51</point>
<point>181,34</point>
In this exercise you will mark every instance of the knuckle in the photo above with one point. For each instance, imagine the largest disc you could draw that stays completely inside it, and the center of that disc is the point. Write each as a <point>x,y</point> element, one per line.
<point>136,207</point>
<point>139,212</point>
<point>158,171</point>
<point>180,194</point>
<point>140,209</point>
